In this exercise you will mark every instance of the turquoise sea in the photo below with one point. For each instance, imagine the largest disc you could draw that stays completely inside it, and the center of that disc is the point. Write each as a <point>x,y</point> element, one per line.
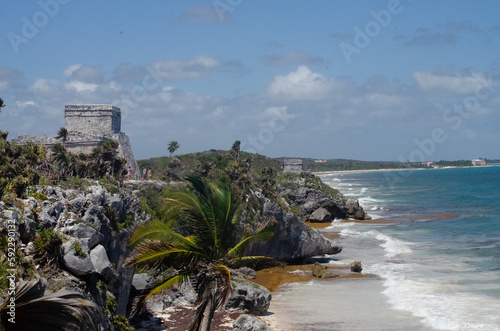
<point>434,252</point>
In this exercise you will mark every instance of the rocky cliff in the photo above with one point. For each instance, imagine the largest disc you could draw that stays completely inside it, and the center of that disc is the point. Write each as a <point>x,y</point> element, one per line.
<point>95,225</point>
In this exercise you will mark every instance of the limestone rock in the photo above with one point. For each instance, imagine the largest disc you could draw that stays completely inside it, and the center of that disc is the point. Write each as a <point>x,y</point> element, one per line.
<point>100,261</point>
<point>76,258</point>
<point>292,240</point>
<point>248,297</point>
<point>355,210</point>
<point>249,323</point>
<point>320,215</point>
<point>322,271</point>
<point>244,272</point>
<point>356,266</point>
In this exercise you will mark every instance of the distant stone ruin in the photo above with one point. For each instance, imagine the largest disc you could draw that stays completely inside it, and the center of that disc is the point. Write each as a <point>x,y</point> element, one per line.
<point>292,165</point>
<point>89,126</point>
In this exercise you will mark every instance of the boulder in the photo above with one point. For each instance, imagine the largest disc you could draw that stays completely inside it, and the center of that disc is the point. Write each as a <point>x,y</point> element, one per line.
<point>244,272</point>
<point>355,210</point>
<point>320,215</point>
<point>248,297</point>
<point>249,323</point>
<point>356,266</point>
<point>76,257</point>
<point>309,200</point>
<point>100,261</point>
<point>292,240</point>
<point>321,271</point>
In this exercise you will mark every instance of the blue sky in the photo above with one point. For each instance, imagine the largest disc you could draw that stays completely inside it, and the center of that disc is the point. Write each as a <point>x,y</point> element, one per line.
<point>370,80</point>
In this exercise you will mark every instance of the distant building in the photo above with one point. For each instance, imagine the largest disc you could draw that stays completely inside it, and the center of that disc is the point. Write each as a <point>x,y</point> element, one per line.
<point>431,164</point>
<point>478,162</point>
<point>292,165</point>
<point>89,126</point>
<point>320,161</point>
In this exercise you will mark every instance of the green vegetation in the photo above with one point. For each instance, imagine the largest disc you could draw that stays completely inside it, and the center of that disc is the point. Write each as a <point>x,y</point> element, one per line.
<point>78,250</point>
<point>48,243</point>
<point>210,212</point>
<point>172,147</point>
<point>31,164</point>
<point>120,323</point>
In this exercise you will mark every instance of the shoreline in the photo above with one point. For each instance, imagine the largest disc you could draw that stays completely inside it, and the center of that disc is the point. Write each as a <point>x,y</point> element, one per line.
<point>355,171</point>
<point>278,278</point>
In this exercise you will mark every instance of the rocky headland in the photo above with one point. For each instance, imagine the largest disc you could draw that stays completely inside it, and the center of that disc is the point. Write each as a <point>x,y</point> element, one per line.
<point>76,235</point>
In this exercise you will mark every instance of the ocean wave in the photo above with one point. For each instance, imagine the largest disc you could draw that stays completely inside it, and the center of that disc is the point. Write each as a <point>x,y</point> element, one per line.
<point>439,305</point>
<point>393,246</point>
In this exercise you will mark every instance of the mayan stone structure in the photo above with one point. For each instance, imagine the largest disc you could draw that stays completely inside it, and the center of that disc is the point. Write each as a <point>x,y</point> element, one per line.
<point>92,119</point>
<point>292,165</point>
<point>89,126</point>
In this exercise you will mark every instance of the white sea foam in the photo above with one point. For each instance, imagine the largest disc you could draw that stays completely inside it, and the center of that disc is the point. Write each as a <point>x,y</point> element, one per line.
<point>393,246</point>
<point>337,223</point>
<point>438,304</point>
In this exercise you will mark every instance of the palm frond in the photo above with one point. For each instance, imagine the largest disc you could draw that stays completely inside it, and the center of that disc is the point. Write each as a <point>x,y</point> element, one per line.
<point>157,230</point>
<point>62,310</point>
<point>151,254</point>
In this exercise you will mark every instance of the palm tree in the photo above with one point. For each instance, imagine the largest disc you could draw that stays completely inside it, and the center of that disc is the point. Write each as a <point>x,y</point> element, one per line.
<point>63,310</point>
<point>235,149</point>
<point>1,104</point>
<point>209,212</point>
<point>62,133</point>
<point>172,147</point>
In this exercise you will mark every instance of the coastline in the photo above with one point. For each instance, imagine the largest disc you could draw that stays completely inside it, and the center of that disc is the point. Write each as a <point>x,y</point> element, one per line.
<point>332,172</point>
<point>355,300</point>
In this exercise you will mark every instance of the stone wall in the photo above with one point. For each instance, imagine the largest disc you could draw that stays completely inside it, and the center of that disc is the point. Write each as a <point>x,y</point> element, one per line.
<point>94,119</point>
<point>292,165</point>
<point>88,127</point>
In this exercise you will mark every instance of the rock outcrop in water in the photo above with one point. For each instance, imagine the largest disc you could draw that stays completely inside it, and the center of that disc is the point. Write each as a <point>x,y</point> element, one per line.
<point>317,206</point>
<point>293,240</point>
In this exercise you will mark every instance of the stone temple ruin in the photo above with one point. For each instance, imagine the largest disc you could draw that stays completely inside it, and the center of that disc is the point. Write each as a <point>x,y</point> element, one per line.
<point>292,165</point>
<point>89,126</point>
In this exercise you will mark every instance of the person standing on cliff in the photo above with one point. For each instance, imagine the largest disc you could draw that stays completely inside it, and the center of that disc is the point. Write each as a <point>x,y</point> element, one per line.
<point>144,173</point>
<point>130,172</point>
<point>149,174</point>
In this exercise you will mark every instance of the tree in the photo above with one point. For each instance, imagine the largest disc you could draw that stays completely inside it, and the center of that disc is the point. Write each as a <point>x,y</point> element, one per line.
<point>210,212</point>
<point>62,133</point>
<point>235,149</point>
<point>1,104</point>
<point>172,147</point>
<point>63,310</point>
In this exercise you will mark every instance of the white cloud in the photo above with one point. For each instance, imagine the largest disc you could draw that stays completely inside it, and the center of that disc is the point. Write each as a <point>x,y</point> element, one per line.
<point>302,84</point>
<point>23,104</point>
<point>450,85</point>
<point>72,68</point>
<point>80,86</point>
<point>44,86</point>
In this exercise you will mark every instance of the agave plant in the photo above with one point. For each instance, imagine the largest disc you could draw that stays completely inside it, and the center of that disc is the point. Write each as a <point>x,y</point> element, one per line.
<point>210,212</point>
<point>35,310</point>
